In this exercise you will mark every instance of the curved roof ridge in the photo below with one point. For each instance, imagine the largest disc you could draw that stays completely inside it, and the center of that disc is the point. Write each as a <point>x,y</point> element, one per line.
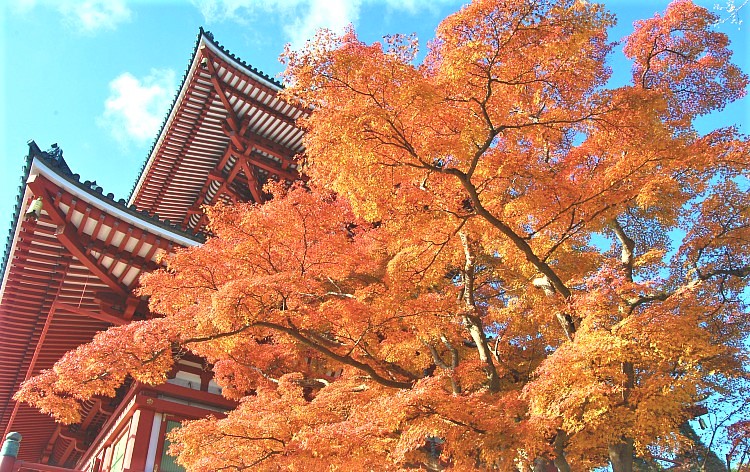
<point>209,39</point>
<point>164,122</point>
<point>15,220</point>
<point>92,188</point>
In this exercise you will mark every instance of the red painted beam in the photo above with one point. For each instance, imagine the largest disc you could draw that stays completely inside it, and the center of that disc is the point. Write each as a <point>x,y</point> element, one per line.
<point>32,364</point>
<point>68,450</point>
<point>93,411</point>
<point>136,457</point>
<point>172,408</point>
<point>271,169</point>
<point>216,82</point>
<point>193,395</point>
<point>68,237</point>
<point>268,146</point>
<point>252,180</point>
<point>23,466</point>
<point>90,314</point>
<point>268,110</point>
<point>256,84</point>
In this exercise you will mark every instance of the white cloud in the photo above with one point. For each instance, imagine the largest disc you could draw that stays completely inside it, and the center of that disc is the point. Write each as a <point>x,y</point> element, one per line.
<point>84,16</point>
<point>240,11</point>
<point>90,16</point>
<point>302,17</point>
<point>316,14</point>
<point>136,107</point>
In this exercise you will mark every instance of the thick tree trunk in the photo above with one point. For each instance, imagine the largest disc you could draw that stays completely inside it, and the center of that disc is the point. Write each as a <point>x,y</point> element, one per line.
<point>472,319</point>
<point>542,464</point>
<point>560,461</point>
<point>561,464</point>
<point>621,456</point>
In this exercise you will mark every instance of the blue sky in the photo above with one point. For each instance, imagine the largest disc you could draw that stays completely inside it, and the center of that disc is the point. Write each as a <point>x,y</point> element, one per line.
<point>97,76</point>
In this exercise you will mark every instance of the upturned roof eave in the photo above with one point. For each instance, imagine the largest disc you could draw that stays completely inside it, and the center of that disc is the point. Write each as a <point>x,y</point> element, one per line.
<point>38,161</point>
<point>205,39</point>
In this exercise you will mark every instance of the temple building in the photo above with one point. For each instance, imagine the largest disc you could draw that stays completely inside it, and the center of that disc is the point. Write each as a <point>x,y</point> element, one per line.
<point>74,255</point>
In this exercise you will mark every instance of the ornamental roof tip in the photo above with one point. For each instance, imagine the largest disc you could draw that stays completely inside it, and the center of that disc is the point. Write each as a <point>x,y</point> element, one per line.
<point>54,159</point>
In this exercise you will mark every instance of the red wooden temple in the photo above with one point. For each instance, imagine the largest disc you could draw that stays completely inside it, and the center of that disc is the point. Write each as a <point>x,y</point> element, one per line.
<point>75,254</point>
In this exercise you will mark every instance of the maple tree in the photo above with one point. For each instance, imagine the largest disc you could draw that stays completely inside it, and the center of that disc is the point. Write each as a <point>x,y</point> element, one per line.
<point>498,261</point>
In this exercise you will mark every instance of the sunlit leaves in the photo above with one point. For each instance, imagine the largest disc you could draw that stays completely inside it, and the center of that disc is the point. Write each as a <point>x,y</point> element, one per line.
<point>680,57</point>
<point>496,261</point>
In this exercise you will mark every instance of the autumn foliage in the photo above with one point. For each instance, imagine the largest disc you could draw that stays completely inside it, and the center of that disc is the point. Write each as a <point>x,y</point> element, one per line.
<point>498,261</point>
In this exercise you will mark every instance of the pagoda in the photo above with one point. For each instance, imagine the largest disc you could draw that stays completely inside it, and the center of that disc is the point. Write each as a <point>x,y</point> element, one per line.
<point>75,254</point>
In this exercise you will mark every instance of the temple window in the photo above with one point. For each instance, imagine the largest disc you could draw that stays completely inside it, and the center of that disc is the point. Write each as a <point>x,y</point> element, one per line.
<point>186,379</point>
<point>213,387</point>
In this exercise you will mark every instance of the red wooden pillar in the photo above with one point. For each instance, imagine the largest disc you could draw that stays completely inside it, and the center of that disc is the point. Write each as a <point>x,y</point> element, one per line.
<point>9,452</point>
<point>108,456</point>
<point>140,437</point>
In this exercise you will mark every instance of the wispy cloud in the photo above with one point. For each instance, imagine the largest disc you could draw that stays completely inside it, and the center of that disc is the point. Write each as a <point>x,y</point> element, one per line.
<point>302,18</point>
<point>332,14</point>
<point>21,6</point>
<point>84,16</point>
<point>90,16</point>
<point>136,107</point>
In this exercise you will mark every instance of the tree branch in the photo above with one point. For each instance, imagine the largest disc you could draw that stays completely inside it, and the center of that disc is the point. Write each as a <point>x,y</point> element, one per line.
<point>346,360</point>
<point>519,242</point>
<point>740,272</point>
<point>472,319</point>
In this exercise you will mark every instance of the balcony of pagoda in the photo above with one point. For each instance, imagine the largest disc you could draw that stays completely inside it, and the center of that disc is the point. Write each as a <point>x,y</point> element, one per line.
<point>134,436</point>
